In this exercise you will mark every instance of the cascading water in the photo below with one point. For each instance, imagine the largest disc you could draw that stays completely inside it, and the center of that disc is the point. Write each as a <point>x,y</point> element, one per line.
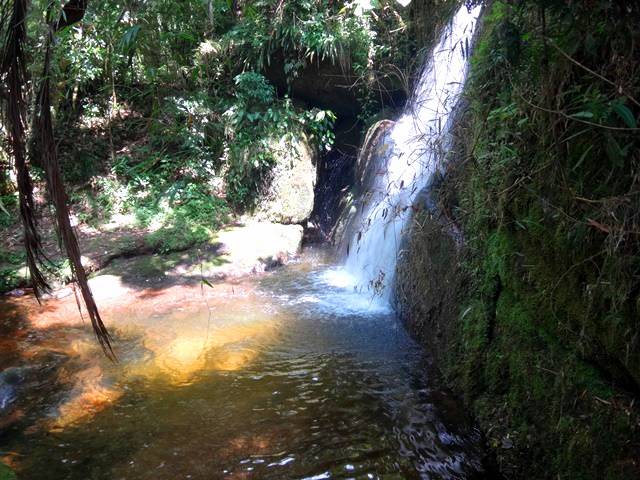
<point>403,161</point>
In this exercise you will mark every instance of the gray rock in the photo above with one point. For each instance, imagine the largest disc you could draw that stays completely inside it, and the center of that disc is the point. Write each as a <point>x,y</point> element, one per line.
<point>289,191</point>
<point>10,378</point>
<point>255,247</point>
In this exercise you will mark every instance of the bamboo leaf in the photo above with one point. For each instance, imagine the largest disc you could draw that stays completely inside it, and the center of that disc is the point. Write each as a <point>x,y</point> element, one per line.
<point>582,157</point>
<point>583,114</point>
<point>625,114</point>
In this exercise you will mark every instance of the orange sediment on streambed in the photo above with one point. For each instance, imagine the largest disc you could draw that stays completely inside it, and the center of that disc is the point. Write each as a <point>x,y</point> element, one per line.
<point>161,335</point>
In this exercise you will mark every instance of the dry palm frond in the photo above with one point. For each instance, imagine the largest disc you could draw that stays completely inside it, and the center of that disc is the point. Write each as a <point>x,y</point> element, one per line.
<point>43,126</point>
<point>13,73</point>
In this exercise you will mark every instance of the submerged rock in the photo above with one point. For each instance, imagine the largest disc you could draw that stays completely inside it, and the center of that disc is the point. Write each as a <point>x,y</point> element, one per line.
<point>10,378</point>
<point>289,191</point>
<point>7,396</point>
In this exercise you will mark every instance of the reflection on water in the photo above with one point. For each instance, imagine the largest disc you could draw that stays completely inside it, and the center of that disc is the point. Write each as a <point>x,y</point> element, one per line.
<point>290,376</point>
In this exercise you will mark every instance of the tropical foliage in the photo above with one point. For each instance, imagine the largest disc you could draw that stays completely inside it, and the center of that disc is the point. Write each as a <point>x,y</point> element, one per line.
<point>164,108</point>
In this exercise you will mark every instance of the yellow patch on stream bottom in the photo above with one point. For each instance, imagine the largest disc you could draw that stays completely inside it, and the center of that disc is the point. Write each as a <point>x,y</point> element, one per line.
<point>161,335</point>
<point>225,348</point>
<point>89,396</point>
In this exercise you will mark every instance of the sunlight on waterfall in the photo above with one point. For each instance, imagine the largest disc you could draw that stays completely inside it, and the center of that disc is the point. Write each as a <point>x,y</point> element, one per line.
<point>406,157</point>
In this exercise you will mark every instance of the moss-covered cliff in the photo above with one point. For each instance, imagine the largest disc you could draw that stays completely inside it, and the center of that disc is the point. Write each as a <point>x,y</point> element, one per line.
<point>534,310</point>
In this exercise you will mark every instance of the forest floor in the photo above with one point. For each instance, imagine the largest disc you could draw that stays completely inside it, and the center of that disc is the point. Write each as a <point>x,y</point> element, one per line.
<point>121,247</point>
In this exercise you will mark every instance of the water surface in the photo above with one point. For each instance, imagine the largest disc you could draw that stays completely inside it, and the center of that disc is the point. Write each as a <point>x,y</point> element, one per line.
<point>292,375</point>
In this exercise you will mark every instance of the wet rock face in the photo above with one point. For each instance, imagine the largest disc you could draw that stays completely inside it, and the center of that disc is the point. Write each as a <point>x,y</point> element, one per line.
<point>429,282</point>
<point>376,145</point>
<point>289,191</point>
<point>364,169</point>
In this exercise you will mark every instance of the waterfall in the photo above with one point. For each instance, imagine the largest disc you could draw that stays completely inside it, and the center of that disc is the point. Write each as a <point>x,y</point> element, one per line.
<point>404,158</point>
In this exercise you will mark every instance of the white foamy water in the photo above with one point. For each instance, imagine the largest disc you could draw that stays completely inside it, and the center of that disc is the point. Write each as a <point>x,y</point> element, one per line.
<point>331,291</point>
<point>410,153</point>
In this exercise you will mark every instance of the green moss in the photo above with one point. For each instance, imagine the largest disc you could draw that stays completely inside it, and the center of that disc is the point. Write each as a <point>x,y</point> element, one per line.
<point>545,345</point>
<point>142,268</point>
<point>177,237</point>
<point>6,473</point>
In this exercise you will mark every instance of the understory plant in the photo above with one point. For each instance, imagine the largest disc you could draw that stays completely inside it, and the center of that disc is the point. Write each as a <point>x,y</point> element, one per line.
<point>256,121</point>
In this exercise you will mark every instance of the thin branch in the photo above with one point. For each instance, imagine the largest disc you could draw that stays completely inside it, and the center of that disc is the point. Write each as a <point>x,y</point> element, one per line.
<point>595,74</point>
<point>570,117</point>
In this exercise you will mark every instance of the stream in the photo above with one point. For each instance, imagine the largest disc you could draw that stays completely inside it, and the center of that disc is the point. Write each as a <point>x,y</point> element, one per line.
<point>288,375</point>
<point>299,373</point>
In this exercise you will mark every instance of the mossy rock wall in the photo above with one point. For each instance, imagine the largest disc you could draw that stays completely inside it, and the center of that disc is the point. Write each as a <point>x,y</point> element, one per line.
<point>542,337</point>
<point>549,407</point>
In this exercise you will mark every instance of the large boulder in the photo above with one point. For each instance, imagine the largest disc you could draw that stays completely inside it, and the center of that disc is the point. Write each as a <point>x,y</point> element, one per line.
<point>236,251</point>
<point>288,193</point>
<point>256,246</point>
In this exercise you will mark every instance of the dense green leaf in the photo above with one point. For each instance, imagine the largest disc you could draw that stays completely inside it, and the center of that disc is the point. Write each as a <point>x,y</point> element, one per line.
<point>624,113</point>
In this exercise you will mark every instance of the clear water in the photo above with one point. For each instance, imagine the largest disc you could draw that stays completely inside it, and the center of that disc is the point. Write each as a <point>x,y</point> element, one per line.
<point>405,159</point>
<point>289,376</point>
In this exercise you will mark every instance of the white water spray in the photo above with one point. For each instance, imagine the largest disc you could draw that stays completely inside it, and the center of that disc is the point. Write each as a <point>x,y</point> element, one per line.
<point>406,158</point>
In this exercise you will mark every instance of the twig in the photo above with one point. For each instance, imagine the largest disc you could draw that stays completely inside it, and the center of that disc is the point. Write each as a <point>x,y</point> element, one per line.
<point>570,117</point>
<point>547,370</point>
<point>601,400</point>
<point>596,74</point>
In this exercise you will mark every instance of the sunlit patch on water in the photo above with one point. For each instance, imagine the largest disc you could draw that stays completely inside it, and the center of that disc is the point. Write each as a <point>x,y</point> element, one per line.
<point>185,342</point>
